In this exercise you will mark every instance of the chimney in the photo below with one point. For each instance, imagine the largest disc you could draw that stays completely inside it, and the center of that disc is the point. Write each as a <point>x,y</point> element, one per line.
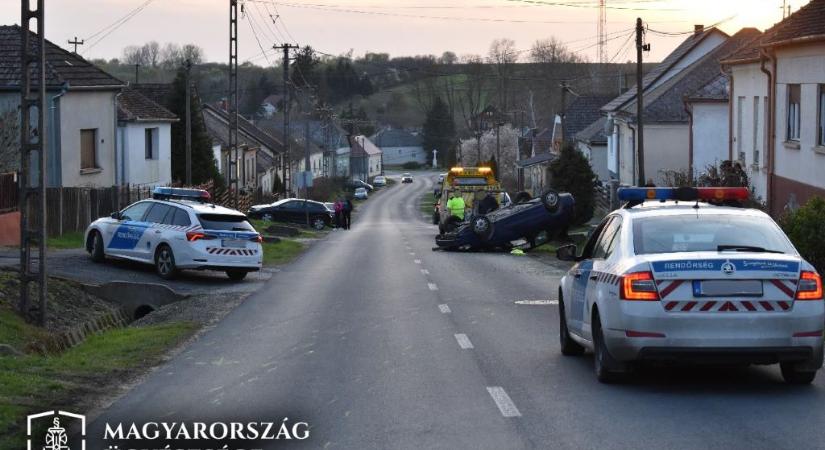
<point>698,29</point>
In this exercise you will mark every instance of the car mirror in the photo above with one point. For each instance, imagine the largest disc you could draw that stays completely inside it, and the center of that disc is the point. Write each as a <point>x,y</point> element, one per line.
<point>115,215</point>
<point>567,253</point>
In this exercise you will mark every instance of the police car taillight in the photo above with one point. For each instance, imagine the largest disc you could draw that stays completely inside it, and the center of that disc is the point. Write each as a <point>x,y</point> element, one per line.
<point>259,239</point>
<point>193,236</point>
<point>639,286</point>
<point>810,286</point>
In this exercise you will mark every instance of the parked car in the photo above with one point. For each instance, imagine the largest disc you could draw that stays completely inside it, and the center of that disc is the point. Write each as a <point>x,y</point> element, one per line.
<point>294,210</point>
<point>379,181</point>
<point>356,183</point>
<point>441,177</point>
<point>406,178</point>
<point>536,221</point>
<point>177,230</point>
<point>361,193</point>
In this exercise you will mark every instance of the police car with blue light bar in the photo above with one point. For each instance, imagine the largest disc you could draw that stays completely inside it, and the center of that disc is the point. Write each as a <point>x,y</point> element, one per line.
<point>679,274</point>
<point>178,229</point>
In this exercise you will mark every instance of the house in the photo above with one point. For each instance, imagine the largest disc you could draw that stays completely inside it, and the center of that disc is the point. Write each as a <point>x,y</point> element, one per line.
<point>790,58</point>
<point>666,137</point>
<point>581,113</point>
<point>259,152</point>
<point>401,146</point>
<point>325,138</point>
<point>592,143</point>
<point>271,105</point>
<point>707,109</point>
<point>82,112</point>
<point>365,158</point>
<point>144,140</point>
<point>536,172</point>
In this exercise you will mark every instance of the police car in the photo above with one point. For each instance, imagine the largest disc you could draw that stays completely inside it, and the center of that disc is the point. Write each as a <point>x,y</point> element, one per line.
<point>178,229</point>
<point>673,277</point>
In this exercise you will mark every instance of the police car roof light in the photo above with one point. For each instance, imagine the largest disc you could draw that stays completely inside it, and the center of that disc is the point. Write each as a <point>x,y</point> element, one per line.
<point>637,195</point>
<point>169,193</point>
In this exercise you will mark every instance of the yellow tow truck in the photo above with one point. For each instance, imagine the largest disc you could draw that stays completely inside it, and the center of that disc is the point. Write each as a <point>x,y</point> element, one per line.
<point>472,184</point>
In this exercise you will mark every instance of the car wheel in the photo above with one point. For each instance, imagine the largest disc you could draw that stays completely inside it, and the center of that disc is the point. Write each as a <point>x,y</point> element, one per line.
<point>165,263</point>
<point>236,275</point>
<point>550,200</point>
<point>267,217</point>
<point>793,375</point>
<point>96,247</point>
<point>569,347</point>
<point>483,227</point>
<point>318,224</point>
<point>523,197</point>
<point>603,363</point>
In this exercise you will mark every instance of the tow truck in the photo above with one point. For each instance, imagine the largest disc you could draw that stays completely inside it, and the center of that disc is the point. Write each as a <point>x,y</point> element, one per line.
<point>466,182</point>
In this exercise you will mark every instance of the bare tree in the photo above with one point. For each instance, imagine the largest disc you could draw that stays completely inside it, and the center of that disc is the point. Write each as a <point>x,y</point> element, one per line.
<point>170,55</point>
<point>471,100</point>
<point>503,55</point>
<point>152,51</point>
<point>193,53</point>
<point>448,58</point>
<point>552,50</point>
<point>134,54</point>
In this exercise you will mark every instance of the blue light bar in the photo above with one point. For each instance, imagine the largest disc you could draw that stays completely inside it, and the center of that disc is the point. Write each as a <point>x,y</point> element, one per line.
<point>710,194</point>
<point>170,193</point>
<point>642,194</point>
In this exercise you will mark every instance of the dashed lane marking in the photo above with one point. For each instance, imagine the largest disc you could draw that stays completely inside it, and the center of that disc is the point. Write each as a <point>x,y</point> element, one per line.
<point>503,401</point>
<point>417,261</point>
<point>445,309</point>
<point>425,272</point>
<point>432,286</point>
<point>537,302</point>
<point>463,341</point>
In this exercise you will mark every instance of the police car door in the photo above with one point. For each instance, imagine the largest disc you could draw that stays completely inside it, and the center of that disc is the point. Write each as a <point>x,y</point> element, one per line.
<point>601,276</point>
<point>581,276</point>
<point>121,236</point>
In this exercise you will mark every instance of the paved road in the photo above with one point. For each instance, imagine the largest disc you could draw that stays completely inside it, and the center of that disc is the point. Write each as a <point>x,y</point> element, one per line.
<point>379,342</point>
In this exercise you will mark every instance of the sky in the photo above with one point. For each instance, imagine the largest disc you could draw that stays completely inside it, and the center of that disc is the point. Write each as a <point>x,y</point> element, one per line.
<point>397,27</point>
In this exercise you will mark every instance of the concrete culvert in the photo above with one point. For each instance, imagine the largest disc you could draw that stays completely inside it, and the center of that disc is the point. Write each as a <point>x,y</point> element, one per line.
<point>142,311</point>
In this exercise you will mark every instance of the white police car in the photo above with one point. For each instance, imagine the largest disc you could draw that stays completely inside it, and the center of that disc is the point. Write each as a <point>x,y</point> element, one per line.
<point>177,230</point>
<point>684,280</point>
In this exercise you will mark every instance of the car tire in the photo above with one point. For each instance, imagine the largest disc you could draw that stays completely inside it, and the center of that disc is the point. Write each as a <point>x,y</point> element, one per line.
<point>236,275</point>
<point>792,375</point>
<point>318,223</point>
<point>96,247</point>
<point>603,362</point>
<point>165,262</point>
<point>483,227</point>
<point>523,197</point>
<point>569,347</point>
<point>550,199</point>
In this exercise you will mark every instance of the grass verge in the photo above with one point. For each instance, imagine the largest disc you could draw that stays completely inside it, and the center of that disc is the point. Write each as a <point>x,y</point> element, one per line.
<point>67,241</point>
<point>281,252</point>
<point>426,204</point>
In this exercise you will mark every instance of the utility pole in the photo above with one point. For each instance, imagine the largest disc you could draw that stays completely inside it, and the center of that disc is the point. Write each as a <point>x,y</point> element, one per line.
<point>75,42</point>
<point>640,134</point>
<point>601,32</point>
<point>286,161</point>
<point>137,67</point>
<point>33,144</point>
<point>233,101</point>
<point>564,88</point>
<point>188,66</point>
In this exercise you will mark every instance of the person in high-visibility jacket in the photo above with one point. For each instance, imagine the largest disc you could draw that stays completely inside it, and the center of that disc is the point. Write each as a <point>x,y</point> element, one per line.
<point>456,206</point>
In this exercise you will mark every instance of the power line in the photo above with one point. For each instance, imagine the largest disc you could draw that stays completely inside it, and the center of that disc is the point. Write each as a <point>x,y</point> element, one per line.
<point>109,29</point>
<point>249,20</point>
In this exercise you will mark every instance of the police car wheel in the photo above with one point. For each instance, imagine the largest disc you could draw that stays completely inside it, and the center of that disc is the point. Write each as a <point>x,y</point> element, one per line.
<point>482,227</point>
<point>792,375</point>
<point>318,223</point>
<point>602,361</point>
<point>550,200</point>
<point>165,263</point>
<point>96,247</point>
<point>236,275</point>
<point>569,347</point>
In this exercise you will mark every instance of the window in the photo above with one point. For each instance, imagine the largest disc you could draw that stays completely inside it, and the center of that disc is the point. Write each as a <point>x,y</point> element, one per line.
<point>135,212</point>
<point>88,149</point>
<point>151,142</point>
<point>755,140</point>
<point>224,222</point>
<point>604,246</point>
<point>179,218</point>
<point>794,112</point>
<point>157,213</point>
<point>820,141</point>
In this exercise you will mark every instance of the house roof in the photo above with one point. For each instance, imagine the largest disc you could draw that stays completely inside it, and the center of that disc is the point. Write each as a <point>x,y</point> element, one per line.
<point>674,57</point>
<point>538,159</point>
<point>582,112</point>
<point>714,90</point>
<point>748,52</point>
<point>806,24</point>
<point>361,146</point>
<point>62,66</point>
<point>159,93</point>
<point>665,104</point>
<point>133,106</point>
<point>395,137</point>
<point>263,162</point>
<point>217,125</point>
<point>594,133</point>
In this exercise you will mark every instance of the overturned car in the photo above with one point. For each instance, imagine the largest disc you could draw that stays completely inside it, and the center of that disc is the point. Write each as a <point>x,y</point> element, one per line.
<point>534,220</point>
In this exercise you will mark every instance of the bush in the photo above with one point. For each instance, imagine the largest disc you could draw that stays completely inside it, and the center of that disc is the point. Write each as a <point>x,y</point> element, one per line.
<point>571,172</point>
<point>805,227</point>
<point>411,165</point>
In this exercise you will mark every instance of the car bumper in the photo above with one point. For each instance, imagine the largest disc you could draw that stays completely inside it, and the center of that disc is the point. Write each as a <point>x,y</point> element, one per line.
<point>644,331</point>
<point>214,257</point>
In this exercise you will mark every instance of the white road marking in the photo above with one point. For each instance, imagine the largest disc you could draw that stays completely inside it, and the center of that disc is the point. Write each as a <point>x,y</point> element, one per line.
<point>417,261</point>
<point>463,341</point>
<point>445,309</point>
<point>505,405</point>
<point>425,272</point>
<point>537,302</point>
<point>432,286</point>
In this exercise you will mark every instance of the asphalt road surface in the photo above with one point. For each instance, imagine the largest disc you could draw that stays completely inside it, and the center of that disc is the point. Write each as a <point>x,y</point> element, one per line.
<point>379,342</point>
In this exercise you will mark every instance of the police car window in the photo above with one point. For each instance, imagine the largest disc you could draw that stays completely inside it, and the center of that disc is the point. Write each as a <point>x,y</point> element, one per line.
<point>224,222</point>
<point>135,212</point>
<point>179,218</point>
<point>706,232</point>
<point>590,246</point>
<point>157,213</point>
<point>602,245</point>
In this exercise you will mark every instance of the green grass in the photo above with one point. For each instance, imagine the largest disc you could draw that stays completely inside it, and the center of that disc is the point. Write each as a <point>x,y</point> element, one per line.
<point>426,204</point>
<point>15,331</point>
<point>67,241</point>
<point>281,252</point>
<point>35,383</point>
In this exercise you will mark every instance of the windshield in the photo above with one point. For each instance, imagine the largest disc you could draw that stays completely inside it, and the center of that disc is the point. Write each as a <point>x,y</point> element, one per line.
<point>224,222</point>
<point>700,233</point>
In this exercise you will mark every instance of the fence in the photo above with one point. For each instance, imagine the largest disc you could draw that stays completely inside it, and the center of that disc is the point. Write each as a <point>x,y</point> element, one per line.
<point>8,192</point>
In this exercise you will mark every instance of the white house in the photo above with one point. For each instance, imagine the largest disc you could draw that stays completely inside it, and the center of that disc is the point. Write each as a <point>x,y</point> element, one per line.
<point>365,158</point>
<point>144,149</point>
<point>709,128</point>
<point>592,143</point>
<point>400,146</point>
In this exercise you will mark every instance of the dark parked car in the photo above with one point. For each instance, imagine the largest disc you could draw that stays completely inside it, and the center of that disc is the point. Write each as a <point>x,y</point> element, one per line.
<point>355,184</point>
<point>534,220</point>
<point>294,210</point>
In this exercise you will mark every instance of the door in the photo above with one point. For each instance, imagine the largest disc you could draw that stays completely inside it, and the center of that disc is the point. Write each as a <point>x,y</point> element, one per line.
<point>581,278</point>
<point>154,218</point>
<point>601,262</point>
<point>122,236</point>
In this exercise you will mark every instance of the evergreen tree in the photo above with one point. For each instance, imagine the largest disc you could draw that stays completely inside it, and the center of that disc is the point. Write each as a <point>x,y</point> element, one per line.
<point>439,133</point>
<point>571,172</point>
<point>204,167</point>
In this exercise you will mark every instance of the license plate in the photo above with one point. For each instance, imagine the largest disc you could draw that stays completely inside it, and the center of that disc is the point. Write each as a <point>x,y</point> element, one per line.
<point>728,288</point>
<point>233,243</point>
